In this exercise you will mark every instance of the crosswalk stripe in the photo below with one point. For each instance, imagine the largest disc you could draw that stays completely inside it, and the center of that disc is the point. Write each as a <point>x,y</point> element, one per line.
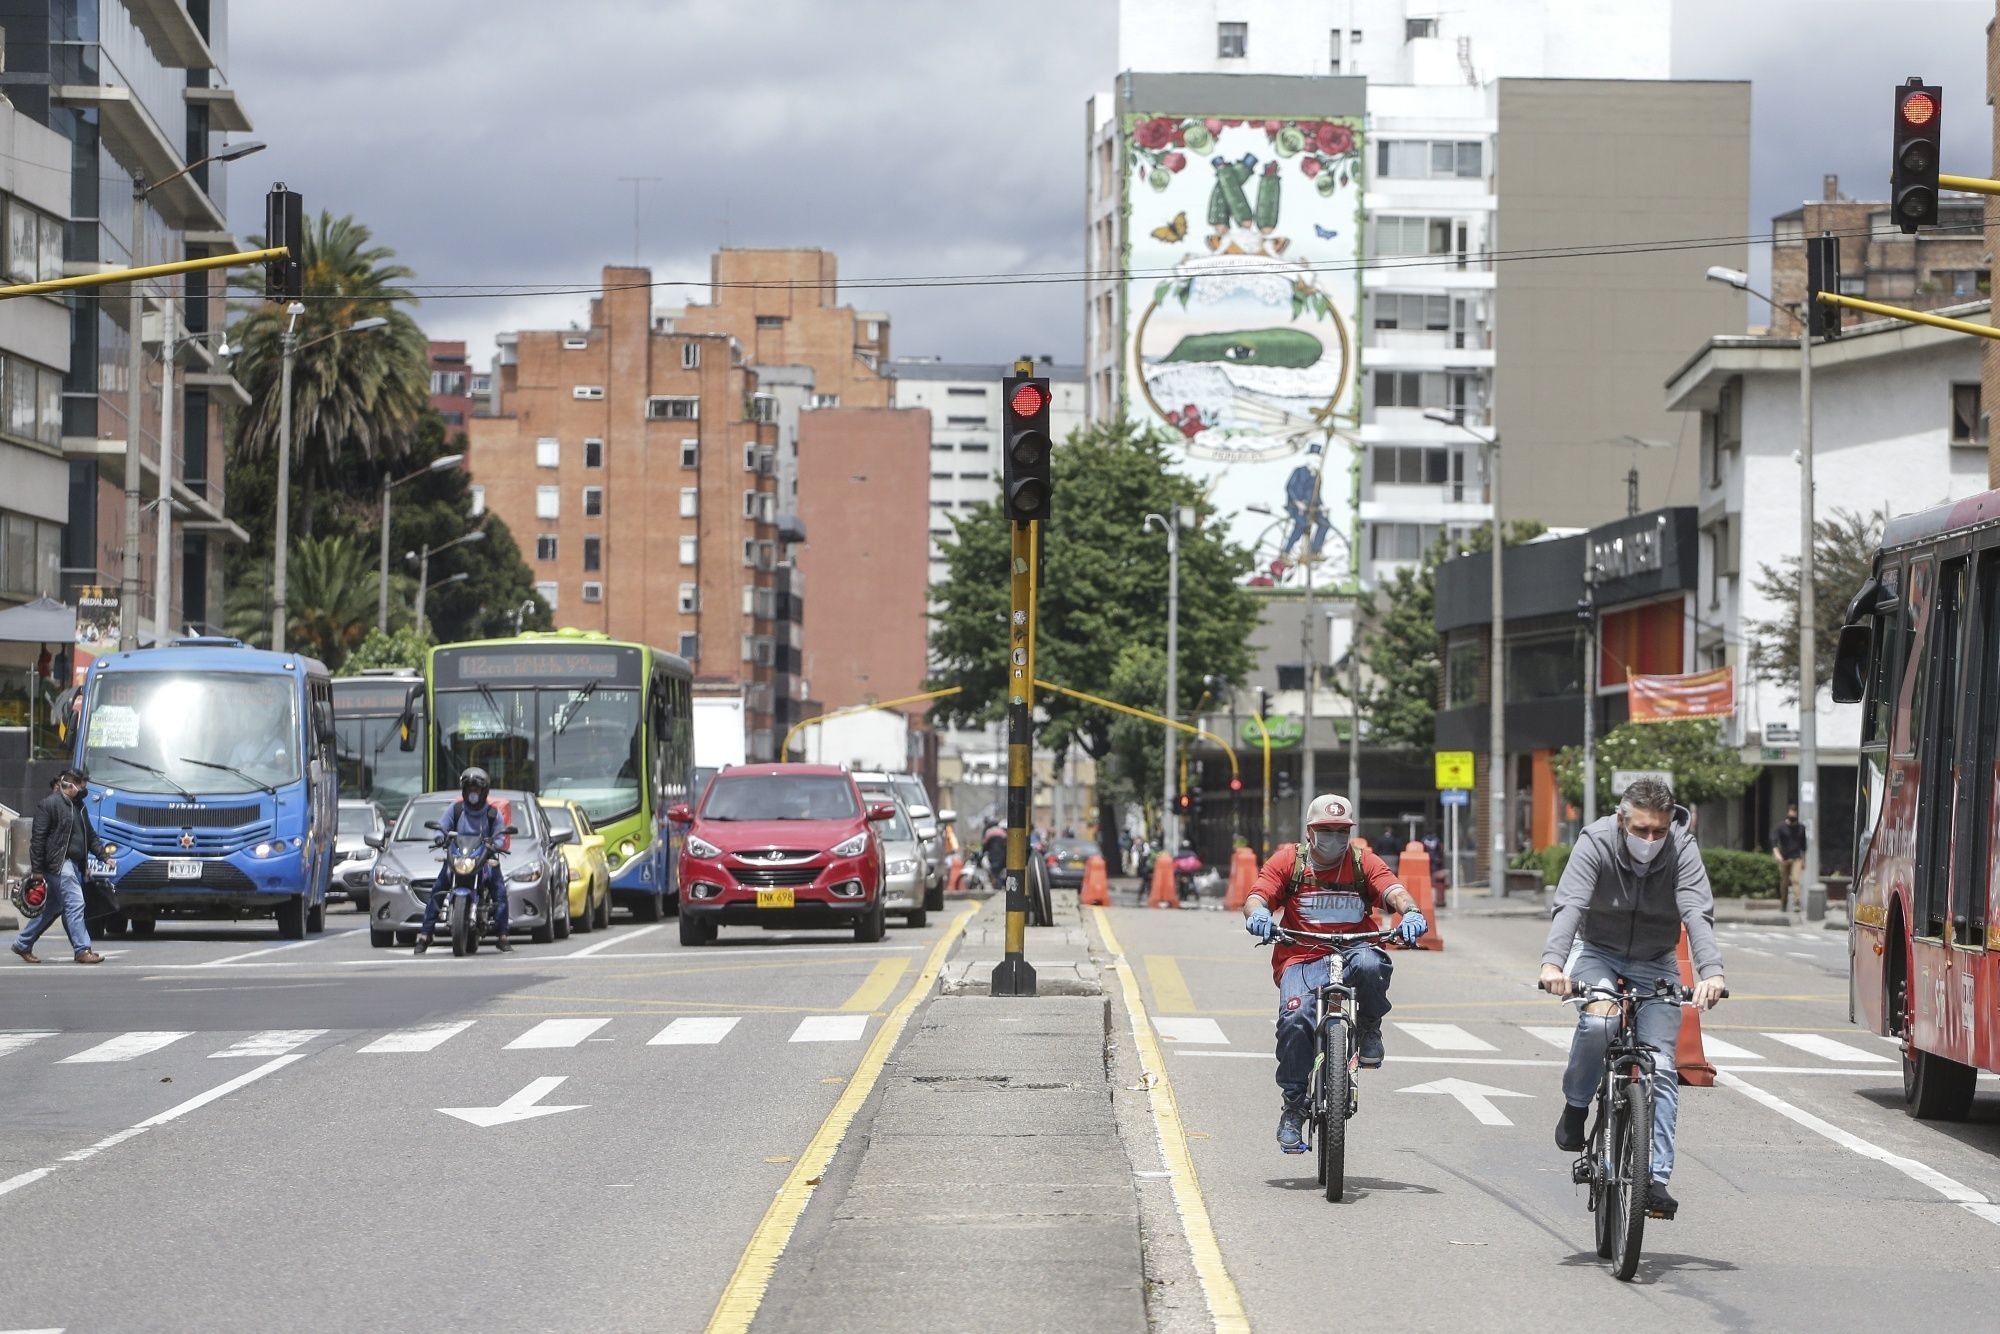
<point>124,1047</point>
<point>16,1041</point>
<point>830,1028</point>
<point>1817,1045</point>
<point>274,1042</point>
<point>1189,1030</point>
<point>556,1033</point>
<point>1446,1037</point>
<point>425,1037</point>
<point>695,1031</point>
<point>1728,1051</point>
<point>1559,1038</point>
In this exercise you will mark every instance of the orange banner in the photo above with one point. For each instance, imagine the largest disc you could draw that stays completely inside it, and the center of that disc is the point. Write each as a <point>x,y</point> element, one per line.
<point>1666,699</point>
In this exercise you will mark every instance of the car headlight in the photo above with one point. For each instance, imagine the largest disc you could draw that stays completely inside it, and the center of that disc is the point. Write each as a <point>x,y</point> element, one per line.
<point>464,865</point>
<point>390,879</point>
<point>531,874</point>
<point>701,847</point>
<point>852,847</point>
<point>902,866</point>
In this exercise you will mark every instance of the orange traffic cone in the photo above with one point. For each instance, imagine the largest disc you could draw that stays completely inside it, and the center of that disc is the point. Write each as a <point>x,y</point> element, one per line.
<point>1688,1054</point>
<point>1096,885</point>
<point>956,881</point>
<point>1413,868</point>
<point>1242,875</point>
<point>1165,893</point>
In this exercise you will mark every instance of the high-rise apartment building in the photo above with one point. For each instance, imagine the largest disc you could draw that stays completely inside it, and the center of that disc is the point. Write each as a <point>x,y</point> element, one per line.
<point>138,91</point>
<point>635,464</point>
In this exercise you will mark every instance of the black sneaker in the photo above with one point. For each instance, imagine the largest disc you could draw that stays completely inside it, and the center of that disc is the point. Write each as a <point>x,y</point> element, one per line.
<point>1371,1046</point>
<point>504,945</point>
<point>1659,1204</point>
<point>1291,1129</point>
<point>423,943</point>
<point>1569,1130</point>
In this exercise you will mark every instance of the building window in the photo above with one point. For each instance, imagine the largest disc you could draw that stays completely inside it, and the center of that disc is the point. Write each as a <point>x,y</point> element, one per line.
<point>749,504</point>
<point>478,499</point>
<point>448,384</point>
<point>1232,41</point>
<point>770,321</point>
<point>1413,29</point>
<point>593,553</point>
<point>690,356</point>
<point>1400,541</point>
<point>1411,465</point>
<point>1333,51</point>
<point>34,243</point>
<point>687,551</point>
<point>593,591</point>
<point>1408,310</point>
<point>547,589</point>
<point>1966,426</point>
<point>762,408</point>
<point>575,342</point>
<point>31,401</point>
<point>966,423</point>
<point>690,646</point>
<point>690,453</point>
<point>941,446</point>
<point>548,453</point>
<point>1544,666</point>
<point>975,476</point>
<point>593,453</point>
<point>690,599</point>
<point>682,408</point>
<point>1411,236</point>
<point>1428,389</point>
<point>963,391</point>
<point>1430,159</point>
<point>593,501</point>
<point>589,391</point>
<point>749,553</point>
<point>548,502</point>
<point>1462,661</point>
<point>545,546</point>
<point>975,447</point>
<point>690,501</point>
<point>1964,283</point>
<point>823,401</point>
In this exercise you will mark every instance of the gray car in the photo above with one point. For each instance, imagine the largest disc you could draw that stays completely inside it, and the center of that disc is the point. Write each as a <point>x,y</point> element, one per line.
<point>532,867</point>
<point>353,854</point>
<point>908,789</point>
<point>904,869</point>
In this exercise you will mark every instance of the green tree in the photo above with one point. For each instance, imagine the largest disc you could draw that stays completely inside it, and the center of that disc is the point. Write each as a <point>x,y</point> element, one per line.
<point>1103,595</point>
<point>404,646</point>
<point>1844,546</point>
<point>330,596</point>
<point>1691,750</point>
<point>1399,642</point>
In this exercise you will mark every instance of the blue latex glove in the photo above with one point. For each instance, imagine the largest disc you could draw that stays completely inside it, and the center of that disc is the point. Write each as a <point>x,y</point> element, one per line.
<point>1259,923</point>
<point>1411,927</point>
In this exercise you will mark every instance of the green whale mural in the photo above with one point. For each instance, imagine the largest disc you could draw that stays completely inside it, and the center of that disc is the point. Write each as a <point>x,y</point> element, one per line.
<point>1294,349</point>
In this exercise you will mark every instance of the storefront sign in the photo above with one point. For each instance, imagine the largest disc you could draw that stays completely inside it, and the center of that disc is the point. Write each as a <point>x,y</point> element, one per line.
<point>1665,699</point>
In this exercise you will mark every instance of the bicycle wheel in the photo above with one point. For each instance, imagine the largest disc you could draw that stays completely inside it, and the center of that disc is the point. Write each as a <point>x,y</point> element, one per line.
<point>1335,1094</point>
<point>1636,1173</point>
<point>1605,1152</point>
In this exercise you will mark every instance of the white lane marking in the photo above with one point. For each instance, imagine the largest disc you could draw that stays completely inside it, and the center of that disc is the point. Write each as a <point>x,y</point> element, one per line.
<point>1798,954</point>
<point>14,1183</point>
<point>108,1142</point>
<point>520,1107</point>
<point>425,1037</point>
<point>1475,1098</point>
<point>274,949</point>
<point>1848,1071</point>
<point>830,1028</point>
<point>1746,949</point>
<point>1445,1037</point>
<point>752,951</point>
<point>1728,1051</point>
<point>701,1031</point>
<point>1559,1038</point>
<point>124,1047</point>
<point>1922,1173</point>
<point>1190,1030</point>
<point>16,1041</point>
<point>597,946</point>
<point>273,1042</point>
<point>556,1033</point>
<point>1814,1044</point>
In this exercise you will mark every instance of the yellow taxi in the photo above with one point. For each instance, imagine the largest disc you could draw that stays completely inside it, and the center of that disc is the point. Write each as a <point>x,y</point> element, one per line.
<point>589,873</point>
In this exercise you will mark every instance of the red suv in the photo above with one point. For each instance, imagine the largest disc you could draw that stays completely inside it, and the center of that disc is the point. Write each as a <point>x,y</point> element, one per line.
<point>781,846</point>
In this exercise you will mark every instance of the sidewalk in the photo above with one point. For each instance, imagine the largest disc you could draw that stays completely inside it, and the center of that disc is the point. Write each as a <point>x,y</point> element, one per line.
<point>1476,901</point>
<point>990,1189</point>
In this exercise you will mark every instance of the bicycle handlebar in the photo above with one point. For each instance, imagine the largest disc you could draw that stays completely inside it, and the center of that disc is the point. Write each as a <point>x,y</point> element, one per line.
<point>1589,991</point>
<point>1326,937</point>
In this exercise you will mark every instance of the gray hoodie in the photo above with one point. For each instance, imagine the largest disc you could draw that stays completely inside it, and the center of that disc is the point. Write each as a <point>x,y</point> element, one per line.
<point>1632,911</point>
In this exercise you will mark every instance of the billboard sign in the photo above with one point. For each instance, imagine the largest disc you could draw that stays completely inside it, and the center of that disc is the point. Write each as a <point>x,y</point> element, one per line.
<point>1664,699</point>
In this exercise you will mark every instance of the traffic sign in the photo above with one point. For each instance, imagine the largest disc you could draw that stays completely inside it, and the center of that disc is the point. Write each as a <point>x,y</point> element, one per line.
<point>1624,778</point>
<point>1455,796</point>
<point>1454,768</point>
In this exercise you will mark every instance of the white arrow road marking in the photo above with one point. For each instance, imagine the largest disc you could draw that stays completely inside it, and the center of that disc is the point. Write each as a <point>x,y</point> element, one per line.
<point>520,1107</point>
<point>1476,1098</point>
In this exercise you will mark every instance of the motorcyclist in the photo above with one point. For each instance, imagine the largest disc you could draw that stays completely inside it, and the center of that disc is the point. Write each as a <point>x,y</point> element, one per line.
<point>472,813</point>
<point>1325,884</point>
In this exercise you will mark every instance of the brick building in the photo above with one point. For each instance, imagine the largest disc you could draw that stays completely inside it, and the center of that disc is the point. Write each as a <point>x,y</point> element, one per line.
<point>451,384</point>
<point>780,305</point>
<point>1942,267</point>
<point>635,465</point>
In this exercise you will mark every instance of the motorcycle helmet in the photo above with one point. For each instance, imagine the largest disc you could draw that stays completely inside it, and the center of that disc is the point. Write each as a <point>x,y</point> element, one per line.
<point>30,892</point>
<point>473,786</point>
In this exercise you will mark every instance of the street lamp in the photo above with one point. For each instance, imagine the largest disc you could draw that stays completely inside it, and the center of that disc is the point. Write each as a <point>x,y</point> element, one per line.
<point>520,612</point>
<point>442,463</point>
<point>128,580</point>
<point>1497,781</point>
<point>281,531</point>
<point>1808,612</point>
<point>423,559</point>
<point>1171,527</point>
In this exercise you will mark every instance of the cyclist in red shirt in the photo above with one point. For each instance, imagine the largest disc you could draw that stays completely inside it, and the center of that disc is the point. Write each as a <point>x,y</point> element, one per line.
<point>1324,884</point>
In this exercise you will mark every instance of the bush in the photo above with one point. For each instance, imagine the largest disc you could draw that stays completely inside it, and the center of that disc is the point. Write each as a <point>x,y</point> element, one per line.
<point>1736,875</point>
<point>1550,861</point>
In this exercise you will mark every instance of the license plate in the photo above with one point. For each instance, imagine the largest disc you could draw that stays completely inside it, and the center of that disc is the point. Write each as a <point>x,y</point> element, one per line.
<point>102,870</point>
<point>182,868</point>
<point>774,898</point>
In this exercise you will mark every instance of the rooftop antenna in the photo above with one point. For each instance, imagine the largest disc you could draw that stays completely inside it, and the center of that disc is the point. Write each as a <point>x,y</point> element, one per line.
<point>637,182</point>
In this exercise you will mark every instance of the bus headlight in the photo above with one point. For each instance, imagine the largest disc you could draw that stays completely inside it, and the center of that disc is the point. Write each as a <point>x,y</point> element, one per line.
<point>628,849</point>
<point>276,847</point>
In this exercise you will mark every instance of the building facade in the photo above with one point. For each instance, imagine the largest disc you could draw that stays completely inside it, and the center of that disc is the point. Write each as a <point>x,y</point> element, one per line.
<point>636,466</point>
<point>451,385</point>
<point>138,92</point>
<point>1921,270</point>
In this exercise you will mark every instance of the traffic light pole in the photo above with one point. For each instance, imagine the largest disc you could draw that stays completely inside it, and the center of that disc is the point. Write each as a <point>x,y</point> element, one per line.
<point>1014,975</point>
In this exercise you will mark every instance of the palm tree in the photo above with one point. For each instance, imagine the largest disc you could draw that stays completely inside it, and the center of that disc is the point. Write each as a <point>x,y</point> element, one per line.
<point>361,392</point>
<point>330,594</point>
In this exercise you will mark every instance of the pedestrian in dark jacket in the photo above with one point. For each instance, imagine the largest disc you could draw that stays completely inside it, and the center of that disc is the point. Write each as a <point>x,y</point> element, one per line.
<point>63,841</point>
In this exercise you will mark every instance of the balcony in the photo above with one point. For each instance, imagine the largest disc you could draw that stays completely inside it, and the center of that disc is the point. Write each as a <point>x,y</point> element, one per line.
<point>172,33</point>
<point>224,111</point>
<point>137,142</point>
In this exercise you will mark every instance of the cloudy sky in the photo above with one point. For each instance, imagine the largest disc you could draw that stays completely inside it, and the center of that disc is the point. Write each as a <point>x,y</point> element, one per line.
<point>485,140</point>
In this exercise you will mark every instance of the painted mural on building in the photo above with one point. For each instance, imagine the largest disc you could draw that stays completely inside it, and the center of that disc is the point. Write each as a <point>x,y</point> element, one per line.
<point>1243,262</point>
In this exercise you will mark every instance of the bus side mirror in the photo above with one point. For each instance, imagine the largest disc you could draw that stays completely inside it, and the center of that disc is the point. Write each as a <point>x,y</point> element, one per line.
<point>1850,663</point>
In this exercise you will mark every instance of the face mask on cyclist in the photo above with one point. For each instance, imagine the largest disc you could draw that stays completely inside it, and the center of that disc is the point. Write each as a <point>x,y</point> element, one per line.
<point>1327,844</point>
<point>1643,850</point>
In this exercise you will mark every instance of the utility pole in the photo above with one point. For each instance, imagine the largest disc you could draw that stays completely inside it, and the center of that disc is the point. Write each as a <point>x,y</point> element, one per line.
<point>1586,610</point>
<point>135,366</point>
<point>163,547</point>
<point>1496,742</point>
<point>281,530</point>
<point>1308,631</point>
<point>1169,822</point>
<point>1808,616</point>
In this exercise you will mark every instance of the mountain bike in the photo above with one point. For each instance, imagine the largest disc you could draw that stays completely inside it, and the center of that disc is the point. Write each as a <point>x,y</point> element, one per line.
<point>1331,1096</point>
<point>1617,1161</point>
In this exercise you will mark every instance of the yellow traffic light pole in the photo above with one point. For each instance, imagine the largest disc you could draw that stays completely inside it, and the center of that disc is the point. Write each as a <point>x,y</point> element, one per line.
<point>109,276</point>
<point>1911,316</point>
<point>803,723</point>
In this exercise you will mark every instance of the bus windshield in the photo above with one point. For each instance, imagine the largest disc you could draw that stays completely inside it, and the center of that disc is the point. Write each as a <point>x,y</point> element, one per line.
<point>581,743</point>
<point>373,763</point>
<point>192,733</point>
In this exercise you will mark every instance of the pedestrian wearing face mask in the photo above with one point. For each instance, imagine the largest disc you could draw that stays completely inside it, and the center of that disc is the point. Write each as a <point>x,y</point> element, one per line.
<point>1634,880</point>
<point>1325,884</point>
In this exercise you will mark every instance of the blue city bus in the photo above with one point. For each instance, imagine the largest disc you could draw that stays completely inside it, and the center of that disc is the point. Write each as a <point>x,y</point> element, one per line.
<point>213,776</point>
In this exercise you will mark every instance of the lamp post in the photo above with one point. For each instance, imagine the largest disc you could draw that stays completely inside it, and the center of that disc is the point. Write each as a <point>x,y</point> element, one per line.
<point>1306,759</point>
<point>1497,781</point>
<point>128,578</point>
<point>1169,821</point>
<point>1808,612</point>
<point>442,463</point>
<point>281,529</point>
<point>423,588</point>
<point>522,611</point>
<point>423,559</point>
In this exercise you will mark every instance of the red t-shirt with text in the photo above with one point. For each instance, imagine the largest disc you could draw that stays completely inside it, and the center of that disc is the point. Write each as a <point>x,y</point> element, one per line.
<point>1341,898</point>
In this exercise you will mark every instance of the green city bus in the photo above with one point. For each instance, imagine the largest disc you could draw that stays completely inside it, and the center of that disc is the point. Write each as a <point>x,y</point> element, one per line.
<point>576,715</point>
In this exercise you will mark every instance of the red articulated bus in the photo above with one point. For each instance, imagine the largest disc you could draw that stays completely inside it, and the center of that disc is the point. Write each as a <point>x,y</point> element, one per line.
<point>1920,652</point>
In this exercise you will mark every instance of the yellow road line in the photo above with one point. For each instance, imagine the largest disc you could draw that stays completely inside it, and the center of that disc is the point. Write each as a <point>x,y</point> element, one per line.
<point>1225,1304</point>
<point>1170,989</point>
<point>745,1290</point>
<point>875,988</point>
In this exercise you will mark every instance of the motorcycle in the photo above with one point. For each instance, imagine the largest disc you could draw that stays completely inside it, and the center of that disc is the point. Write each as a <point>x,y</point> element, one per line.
<point>474,864</point>
<point>1188,877</point>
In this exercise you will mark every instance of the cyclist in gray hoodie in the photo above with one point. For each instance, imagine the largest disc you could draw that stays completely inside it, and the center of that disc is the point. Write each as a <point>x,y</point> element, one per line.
<point>1633,881</point>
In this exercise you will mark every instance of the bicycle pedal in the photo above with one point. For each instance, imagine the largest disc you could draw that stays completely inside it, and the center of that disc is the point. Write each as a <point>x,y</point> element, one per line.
<point>1664,1215</point>
<point>1579,1171</point>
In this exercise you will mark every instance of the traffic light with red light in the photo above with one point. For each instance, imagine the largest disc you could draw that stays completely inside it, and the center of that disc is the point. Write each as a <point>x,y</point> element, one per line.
<point>1822,275</point>
<point>1184,803</point>
<point>1235,785</point>
<point>1919,137</point>
<point>284,225</point>
<point>1025,448</point>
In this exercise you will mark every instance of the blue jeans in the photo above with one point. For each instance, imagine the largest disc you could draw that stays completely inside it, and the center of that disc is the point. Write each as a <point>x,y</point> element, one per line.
<point>1659,1028</point>
<point>65,899</point>
<point>1367,971</point>
<point>436,896</point>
